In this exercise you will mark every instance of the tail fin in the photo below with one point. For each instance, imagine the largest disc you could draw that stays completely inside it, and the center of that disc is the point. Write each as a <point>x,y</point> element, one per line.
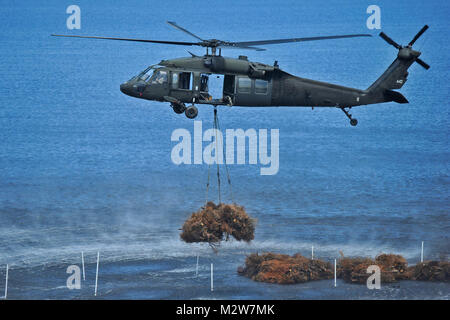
<point>396,75</point>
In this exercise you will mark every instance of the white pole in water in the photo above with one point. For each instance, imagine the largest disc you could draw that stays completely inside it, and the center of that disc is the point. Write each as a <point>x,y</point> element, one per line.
<point>312,253</point>
<point>96,273</point>
<point>6,283</point>
<point>421,254</point>
<point>82,264</point>
<point>335,273</point>
<point>212,277</point>
<point>196,267</point>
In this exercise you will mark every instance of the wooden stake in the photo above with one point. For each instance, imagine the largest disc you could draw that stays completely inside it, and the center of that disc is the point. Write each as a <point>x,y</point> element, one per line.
<point>6,283</point>
<point>82,264</point>
<point>421,254</point>
<point>96,273</point>
<point>335,273</point>
<point>196,267</point>
<point>212,277</point>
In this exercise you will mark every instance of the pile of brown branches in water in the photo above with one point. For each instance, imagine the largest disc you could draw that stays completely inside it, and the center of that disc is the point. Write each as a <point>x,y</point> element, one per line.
<point>215,223</point>
<point>285,269</point>
<point>431,271</point>
<point>354,270</point>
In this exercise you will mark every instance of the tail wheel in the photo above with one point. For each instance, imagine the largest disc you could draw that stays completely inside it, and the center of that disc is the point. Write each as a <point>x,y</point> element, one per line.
<point>353,121</point>
<point>191,112</point>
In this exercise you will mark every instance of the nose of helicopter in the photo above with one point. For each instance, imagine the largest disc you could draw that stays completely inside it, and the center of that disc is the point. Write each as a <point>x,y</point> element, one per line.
<point>132,88</point>
<point>125,88</point>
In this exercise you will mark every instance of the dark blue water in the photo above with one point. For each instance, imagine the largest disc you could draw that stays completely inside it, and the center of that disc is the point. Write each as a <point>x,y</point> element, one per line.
<point>85,168</point>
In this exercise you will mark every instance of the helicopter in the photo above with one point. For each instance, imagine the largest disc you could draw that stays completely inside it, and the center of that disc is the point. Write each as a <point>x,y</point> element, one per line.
<point>245,83</point>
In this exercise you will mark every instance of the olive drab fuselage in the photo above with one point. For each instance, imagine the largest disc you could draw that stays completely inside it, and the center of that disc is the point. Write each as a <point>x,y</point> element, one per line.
<point>245,84</point>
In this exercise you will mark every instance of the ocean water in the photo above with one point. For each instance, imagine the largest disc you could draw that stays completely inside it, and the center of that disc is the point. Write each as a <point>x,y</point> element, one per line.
<point>84,168</point>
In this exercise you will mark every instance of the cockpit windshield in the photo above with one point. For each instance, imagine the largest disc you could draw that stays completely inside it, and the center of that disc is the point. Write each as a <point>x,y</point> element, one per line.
<point>152,75</point>
<point>144,75</point>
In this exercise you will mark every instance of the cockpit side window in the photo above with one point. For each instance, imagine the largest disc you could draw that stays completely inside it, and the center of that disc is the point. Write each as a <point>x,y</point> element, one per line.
<point>159,77</point>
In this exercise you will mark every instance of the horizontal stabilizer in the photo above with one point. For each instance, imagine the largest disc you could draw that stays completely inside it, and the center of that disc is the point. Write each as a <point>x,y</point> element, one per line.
<point>395,96</point>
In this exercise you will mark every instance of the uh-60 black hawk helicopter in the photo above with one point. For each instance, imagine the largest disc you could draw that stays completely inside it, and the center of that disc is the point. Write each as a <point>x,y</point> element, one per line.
<point>185,80</point>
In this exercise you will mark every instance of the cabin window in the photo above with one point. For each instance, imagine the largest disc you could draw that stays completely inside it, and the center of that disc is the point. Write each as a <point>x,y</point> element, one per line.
<point>228,85</point>
<point>184,80</point>
<point>261,86</point>
<point>204,83</point>
<point>244,85</point>
<point>175,80</point>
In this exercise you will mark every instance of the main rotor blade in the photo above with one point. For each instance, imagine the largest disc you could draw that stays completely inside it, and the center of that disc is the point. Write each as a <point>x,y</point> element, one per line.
<point>390,41</point>
<point>423,63</point>
<point>127,39</point>
<point>425,27</point>
<point>232,46</point>
<point>173,24</point>
<point>276,41</point>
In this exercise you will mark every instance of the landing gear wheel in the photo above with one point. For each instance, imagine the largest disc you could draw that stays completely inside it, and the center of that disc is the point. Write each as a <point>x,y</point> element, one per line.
<point>353,121</point>
<point>178,108</point>
<point>191,112</point>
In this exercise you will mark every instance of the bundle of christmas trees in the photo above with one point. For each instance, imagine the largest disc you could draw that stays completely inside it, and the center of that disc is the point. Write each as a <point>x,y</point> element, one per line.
<point>285,269</point>
<point>215,223</point>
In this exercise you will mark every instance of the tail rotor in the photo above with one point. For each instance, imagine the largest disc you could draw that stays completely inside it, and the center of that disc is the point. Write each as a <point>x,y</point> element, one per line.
<point>390,41</point>
<point>417,36</point>
<point>406,52</point>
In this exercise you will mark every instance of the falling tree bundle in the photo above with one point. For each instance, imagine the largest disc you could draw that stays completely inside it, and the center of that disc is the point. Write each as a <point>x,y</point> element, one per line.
<point>214,223</point>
